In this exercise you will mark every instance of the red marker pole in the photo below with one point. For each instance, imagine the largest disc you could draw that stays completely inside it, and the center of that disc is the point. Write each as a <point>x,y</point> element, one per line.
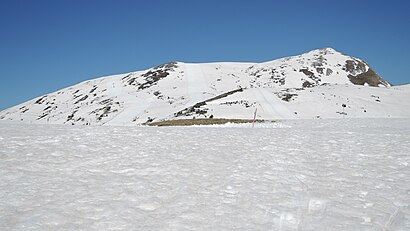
<point>254,117</point>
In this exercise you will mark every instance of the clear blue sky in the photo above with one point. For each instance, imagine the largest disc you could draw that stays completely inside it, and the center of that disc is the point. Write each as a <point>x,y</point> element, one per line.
<point>49,45</point>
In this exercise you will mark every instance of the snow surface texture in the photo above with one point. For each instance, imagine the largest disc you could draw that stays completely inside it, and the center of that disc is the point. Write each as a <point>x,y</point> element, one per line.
<point>350,174</point>
<point>312,85</point>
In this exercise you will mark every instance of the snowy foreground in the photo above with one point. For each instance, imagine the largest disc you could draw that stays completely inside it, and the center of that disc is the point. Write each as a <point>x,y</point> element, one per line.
<point>295,175</point>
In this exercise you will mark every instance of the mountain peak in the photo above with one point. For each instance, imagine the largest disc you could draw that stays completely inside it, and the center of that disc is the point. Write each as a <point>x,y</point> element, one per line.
<point>280,89</point>
<point>327,50</point>
<point>324,51</point>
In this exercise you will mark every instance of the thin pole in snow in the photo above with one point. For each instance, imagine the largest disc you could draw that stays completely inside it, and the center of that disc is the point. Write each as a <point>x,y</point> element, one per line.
<point>254,117</point>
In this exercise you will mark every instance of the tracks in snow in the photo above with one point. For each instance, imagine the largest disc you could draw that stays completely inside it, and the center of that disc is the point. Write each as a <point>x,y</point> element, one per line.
<point>270,104</point>
<point>133,106</point>
<point>196,83</point>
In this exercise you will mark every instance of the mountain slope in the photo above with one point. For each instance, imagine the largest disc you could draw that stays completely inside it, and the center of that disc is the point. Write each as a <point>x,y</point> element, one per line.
<point>319,84</point>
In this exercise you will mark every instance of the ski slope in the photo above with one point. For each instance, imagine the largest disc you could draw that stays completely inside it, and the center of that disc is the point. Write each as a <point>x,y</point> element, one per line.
<point>350,174</point>
<point>134,105</point>
<point>271,105</point>
<point>196,83</point>
<point>310,85</point>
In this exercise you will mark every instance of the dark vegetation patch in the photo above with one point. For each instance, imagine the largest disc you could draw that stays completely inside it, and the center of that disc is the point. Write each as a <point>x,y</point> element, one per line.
<point>151,77</point>
<point>46,111</point>
<point>149,120</point>
<point>307,84</point>
<point>316,64</point>
<point>189,122</point>
<point>80,119</point>
<point>94,88</point>
<point>127,76</point>
<point>277,77</point>
<point>168,66</point>
<point>288,96</point>
<point>76,96</point>
<point>41,100</point>
<point>159,95</point>
<point>104,111</point>
<point>196,108</point>
<point>311,76</point>
<point>307,72</point>
<point>106,101</point>
<point>24,109</point>
<point>71,116</point>
<point>376,97</point>
<point>82,99</point>
<point>42,116</point>
<point>224,95</point>
<point>241,102</point>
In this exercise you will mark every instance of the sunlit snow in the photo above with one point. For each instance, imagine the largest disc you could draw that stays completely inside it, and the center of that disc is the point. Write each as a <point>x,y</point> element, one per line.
<point>308,86</point>
<point>350,174</point>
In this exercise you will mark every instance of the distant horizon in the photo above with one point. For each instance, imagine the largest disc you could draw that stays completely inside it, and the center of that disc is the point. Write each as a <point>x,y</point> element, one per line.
<point>50,45</point>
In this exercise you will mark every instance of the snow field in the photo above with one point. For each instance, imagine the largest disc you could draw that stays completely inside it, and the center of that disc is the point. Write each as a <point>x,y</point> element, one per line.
<point>348,174</point>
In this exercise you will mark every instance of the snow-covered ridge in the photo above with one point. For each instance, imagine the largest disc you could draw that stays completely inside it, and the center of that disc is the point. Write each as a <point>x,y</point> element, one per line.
<point>312,85</point>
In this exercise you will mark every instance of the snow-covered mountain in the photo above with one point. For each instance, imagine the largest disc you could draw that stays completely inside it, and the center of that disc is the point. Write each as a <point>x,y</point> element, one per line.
<point>322,83</point>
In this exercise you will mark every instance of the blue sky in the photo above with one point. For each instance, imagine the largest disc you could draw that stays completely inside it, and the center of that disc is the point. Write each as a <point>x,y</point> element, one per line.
<point>49,45</point>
